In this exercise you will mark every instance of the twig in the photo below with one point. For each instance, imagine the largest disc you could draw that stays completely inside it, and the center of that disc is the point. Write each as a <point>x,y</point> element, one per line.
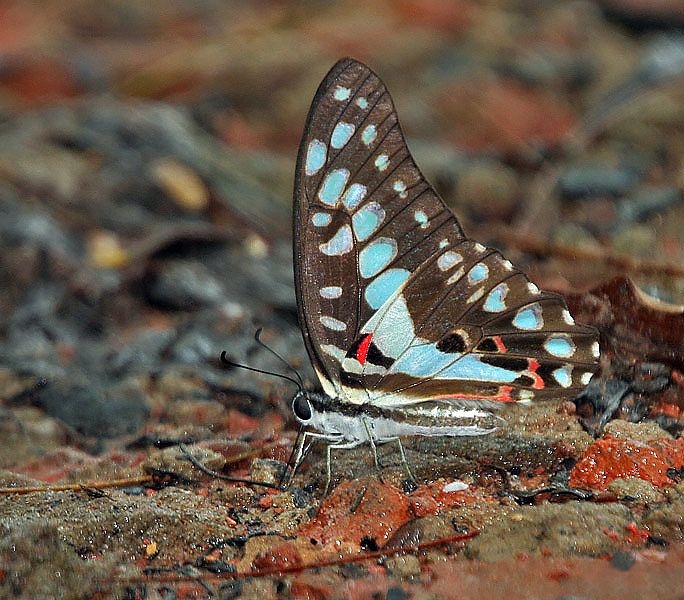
<point>76,487</point>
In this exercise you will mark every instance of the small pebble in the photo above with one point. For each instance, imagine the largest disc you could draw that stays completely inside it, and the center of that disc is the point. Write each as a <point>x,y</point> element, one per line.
<point>455,486</point>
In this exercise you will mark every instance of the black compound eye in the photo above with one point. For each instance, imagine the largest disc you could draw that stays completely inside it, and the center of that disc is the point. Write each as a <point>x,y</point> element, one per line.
<point>301,408</point>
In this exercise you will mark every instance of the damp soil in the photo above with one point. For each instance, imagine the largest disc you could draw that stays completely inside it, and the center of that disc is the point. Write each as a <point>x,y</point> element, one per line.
<point>146,162</point>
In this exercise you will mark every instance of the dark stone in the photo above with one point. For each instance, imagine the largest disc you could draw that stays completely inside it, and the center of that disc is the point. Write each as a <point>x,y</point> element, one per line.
<point>184,285</point>
<point>599,402</point>
<point>396,593</point>
<point>623,561</point>
<point>97,410</point>
<point>592,181</point>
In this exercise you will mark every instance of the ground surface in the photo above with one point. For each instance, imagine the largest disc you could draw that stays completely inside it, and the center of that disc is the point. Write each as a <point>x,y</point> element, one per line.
<point>146,161</point>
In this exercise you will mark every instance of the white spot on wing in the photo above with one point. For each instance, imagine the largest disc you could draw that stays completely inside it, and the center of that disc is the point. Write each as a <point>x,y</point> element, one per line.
<point>448,260</point>
<point>331,292</point>
<point>339,244</point>
<point>333,323</point>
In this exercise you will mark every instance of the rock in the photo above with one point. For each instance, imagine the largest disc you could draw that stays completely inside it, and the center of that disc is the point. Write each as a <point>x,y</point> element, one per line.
<point>489,190</point>
<point>647,431</point>
<point>406,565</point>
<point>183,285</point>
<point>266,470</point>
<point>95,409</point>
<point>633,489</point>
<point>639,240</point>
<point>559,529</point>
<point>587,181</point>
<point>646,202</point>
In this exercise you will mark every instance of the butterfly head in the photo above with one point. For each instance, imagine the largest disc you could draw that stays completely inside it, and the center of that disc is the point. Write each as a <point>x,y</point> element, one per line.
<point>302,408</point>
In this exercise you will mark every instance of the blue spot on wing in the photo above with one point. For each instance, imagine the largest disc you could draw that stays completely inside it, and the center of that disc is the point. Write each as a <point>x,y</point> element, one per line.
<point>353,196</point>
<point>470,367</point>
<point>383,286</point>
<point>341,135</point>
<point>563,376</point>
<point>366,220</point>
<point>529,318</point>
<point>422,361</point>
<point>376,256</point>
<point>559,346</point>
<point>495,299</point>
<point>315,157</point>
<point>333,185</point>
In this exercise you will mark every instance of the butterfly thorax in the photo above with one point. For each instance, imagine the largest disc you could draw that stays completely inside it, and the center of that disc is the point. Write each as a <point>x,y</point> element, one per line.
<point>339,420</point>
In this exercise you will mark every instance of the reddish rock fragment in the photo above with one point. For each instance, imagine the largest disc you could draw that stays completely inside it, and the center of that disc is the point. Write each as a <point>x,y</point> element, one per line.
<point>611,457</point>
<point>504,116</point>
<point>356,510</point>
<point>431,499</point>
<point>283,556</point>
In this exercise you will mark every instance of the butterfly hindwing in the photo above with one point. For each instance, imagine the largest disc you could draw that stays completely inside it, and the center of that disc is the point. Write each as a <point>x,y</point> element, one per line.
<point>396,305</point>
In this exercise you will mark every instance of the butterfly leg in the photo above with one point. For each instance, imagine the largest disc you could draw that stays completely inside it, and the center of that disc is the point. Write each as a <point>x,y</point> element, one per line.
<point>374,448</point>
<point>328,461</point>
<point>302,452</point>
<point>404,462</point>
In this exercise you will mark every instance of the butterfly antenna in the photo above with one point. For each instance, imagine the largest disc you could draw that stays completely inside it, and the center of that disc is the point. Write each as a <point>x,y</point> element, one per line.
<point>230,363</point>
<point>257,337</point>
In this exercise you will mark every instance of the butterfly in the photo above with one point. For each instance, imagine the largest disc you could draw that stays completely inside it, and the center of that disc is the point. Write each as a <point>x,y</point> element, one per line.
<point>413,329</point>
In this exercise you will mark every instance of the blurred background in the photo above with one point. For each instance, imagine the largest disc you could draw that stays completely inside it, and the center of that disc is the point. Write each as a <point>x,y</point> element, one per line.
<point>146,165</point>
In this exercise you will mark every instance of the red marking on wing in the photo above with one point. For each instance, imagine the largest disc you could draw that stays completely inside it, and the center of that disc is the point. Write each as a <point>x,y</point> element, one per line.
<point>532,366</point>
<point>504,395</point>
<point>362,352</point>
<point>500,346</point>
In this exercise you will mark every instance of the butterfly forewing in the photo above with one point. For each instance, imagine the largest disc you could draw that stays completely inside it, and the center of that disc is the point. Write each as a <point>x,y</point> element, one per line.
<point>396,305</point>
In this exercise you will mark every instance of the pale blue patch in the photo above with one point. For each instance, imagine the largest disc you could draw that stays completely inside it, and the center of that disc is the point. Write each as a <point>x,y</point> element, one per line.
<point>332,323</point>
<point>382,162</point>
<point>366,220</point>
<point>529,318</point>
<point>496,299</point>
<point>478,273</point>
<point>369,134</point>
<point>563,375</point>
<point>362,102</point>
<point>421,218</point>
<point>315,157</point>
<point>560,346</point>
<point>383,286</point>
<point>376,256</point>
<point>354,195</point>
<point>422,361</point>
<point>400,188</point>
<point>341,134</point>
<point>321,219</point>
<point>339,244</point>
<point>444,243</point>
<point>341,93</point>
<point>448,260</point>
<point>470,367</point>
<point>333,185</point>
<point>392,328</point>
<point>331,292</point>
